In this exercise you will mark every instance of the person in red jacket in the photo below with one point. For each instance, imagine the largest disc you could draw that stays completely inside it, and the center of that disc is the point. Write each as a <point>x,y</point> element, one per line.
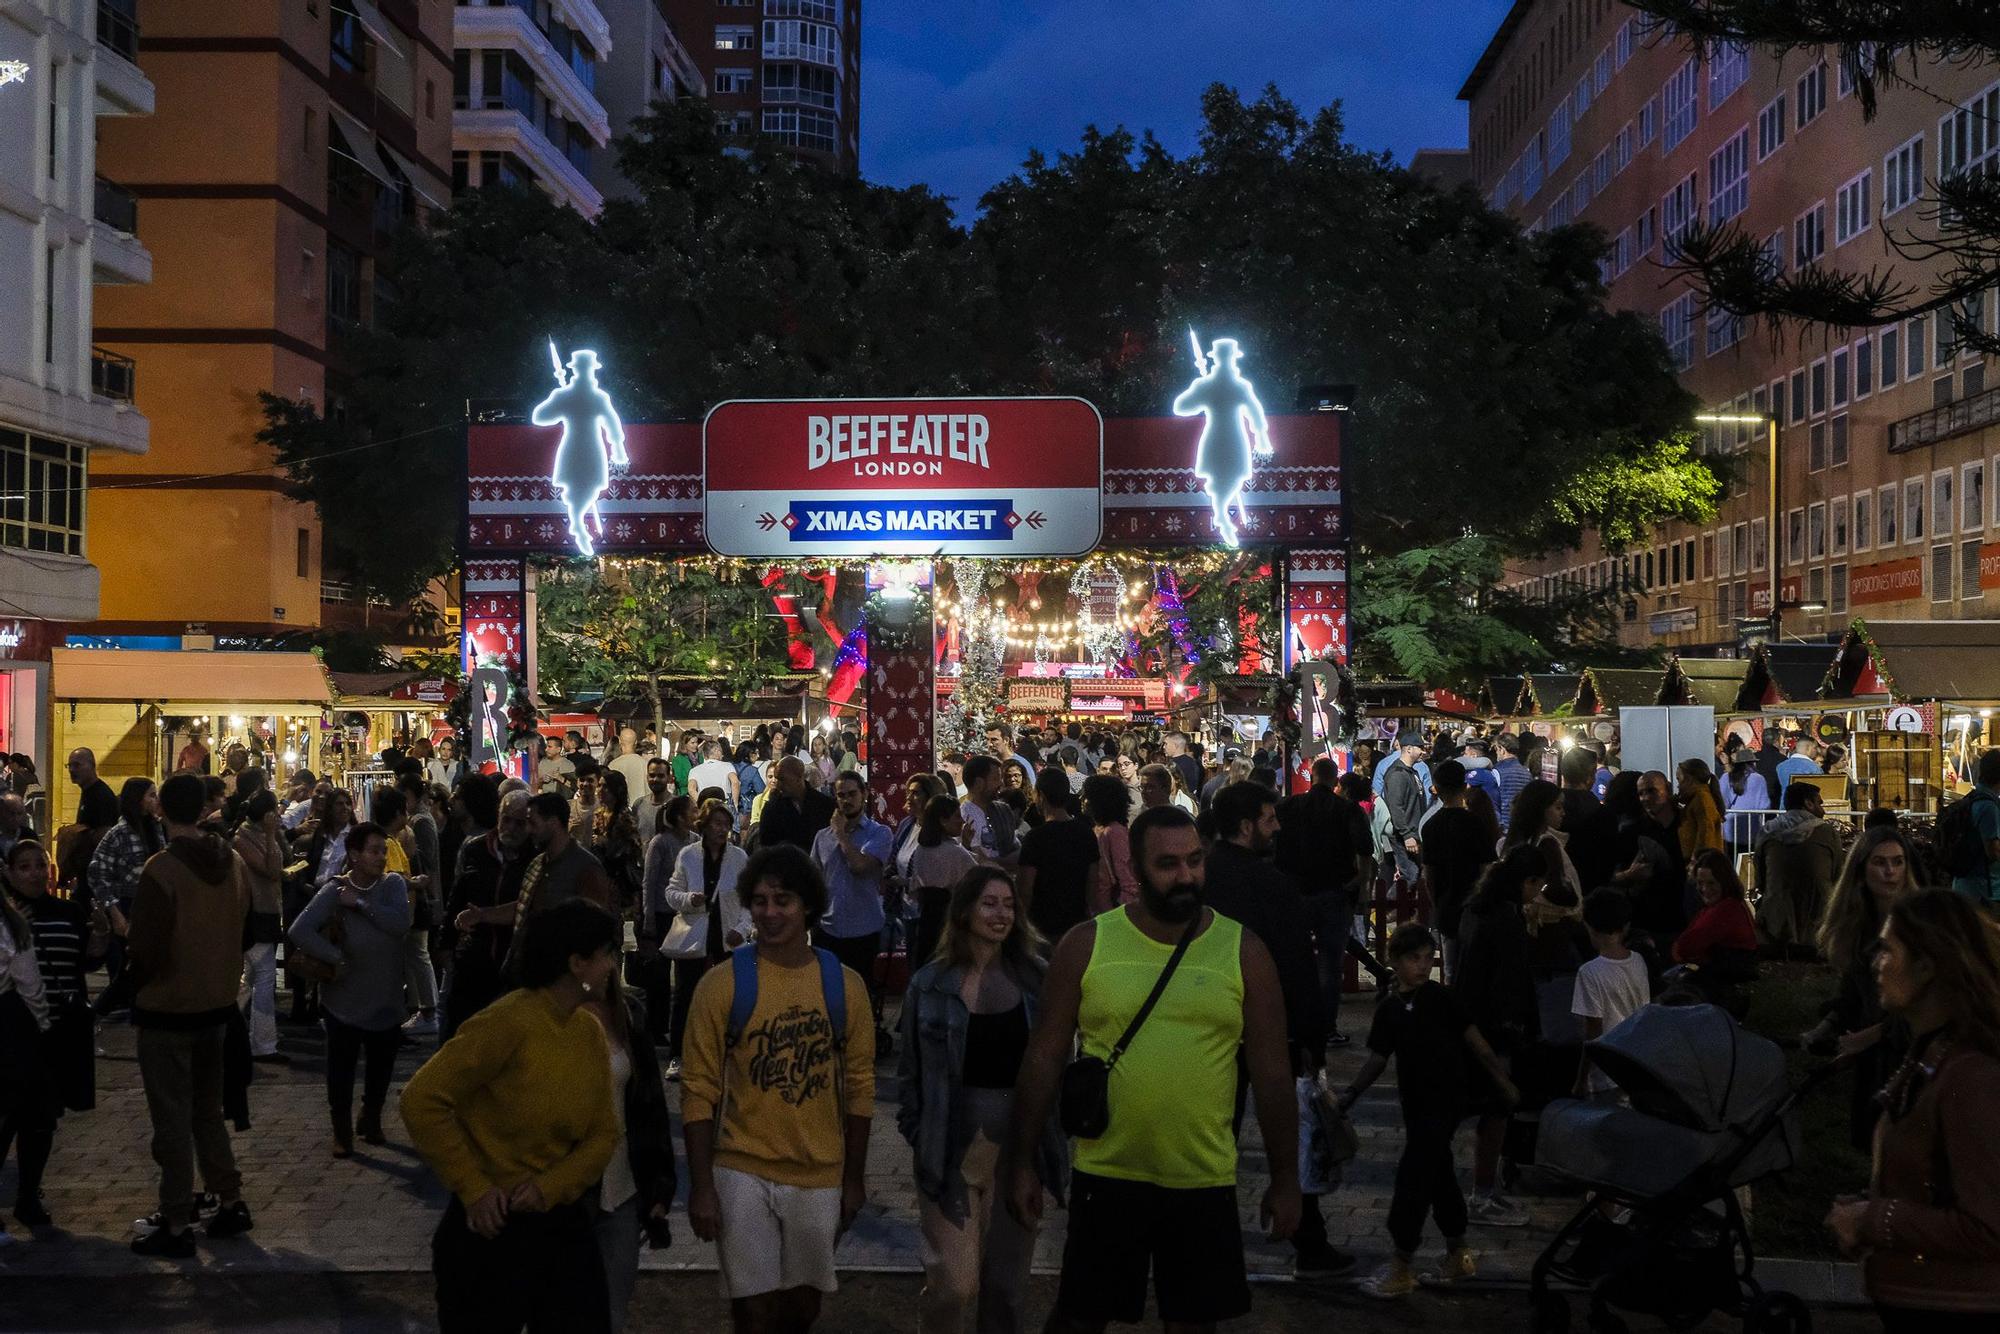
<point>1724,921</point>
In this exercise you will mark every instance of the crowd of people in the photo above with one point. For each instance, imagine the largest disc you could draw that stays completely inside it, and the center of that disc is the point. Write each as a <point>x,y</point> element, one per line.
<point>736,927</point>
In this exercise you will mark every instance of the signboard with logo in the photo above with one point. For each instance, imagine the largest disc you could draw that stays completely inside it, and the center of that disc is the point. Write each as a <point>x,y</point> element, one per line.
<point>909,477</point>
<point>1886,581</point>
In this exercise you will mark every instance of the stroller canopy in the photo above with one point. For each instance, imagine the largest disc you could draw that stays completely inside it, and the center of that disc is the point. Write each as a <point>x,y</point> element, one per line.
<point>1692,1065</point>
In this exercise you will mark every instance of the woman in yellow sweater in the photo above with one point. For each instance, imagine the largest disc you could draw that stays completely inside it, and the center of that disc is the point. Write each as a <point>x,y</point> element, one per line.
<point>515,1115</point>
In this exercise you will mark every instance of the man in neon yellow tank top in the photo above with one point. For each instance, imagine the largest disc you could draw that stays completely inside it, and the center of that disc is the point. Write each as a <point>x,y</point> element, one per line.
<point>1157,1191</point>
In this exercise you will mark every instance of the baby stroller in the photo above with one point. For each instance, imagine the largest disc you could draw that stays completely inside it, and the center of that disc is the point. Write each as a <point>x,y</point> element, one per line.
<point>1661,1233</point>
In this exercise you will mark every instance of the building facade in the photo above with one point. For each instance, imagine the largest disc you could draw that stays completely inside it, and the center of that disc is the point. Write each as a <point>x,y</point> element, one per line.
<point>787,69</point>
<point>293,141</point>
<point>648,63</point>
<point>66,406</point>
<point>1584,111</point>
<point>524,97</point>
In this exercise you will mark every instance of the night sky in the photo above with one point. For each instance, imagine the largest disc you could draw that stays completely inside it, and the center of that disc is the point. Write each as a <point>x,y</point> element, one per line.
<point>953,95</point>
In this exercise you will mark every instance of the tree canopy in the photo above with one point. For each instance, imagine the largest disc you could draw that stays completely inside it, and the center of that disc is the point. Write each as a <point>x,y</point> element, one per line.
<point>1479,352</point>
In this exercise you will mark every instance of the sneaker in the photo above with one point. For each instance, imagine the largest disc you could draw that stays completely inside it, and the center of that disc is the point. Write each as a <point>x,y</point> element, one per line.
<point>272,1058</point>
<point>1456,1267</point>
<point>205,1203</point>
<point>165,1244</point>
<point>30,1211</point>
<point>1337,1039</point>
<point>1495,1211</point>
<point>1328,1262</point>
<point>232,1220</point>
<point>673,1072</point>
<point>421,1026</point>
<point>1391,1281</point>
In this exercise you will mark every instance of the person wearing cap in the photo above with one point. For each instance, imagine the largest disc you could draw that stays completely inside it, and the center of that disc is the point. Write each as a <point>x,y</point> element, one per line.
<point>1405,793</point>
<point>1475,756</point>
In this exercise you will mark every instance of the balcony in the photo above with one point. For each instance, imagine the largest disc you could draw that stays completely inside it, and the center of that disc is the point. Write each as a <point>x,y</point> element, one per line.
<point>116,207</point>
<point>506,28</point>
<point>118,27</point>
<point>499,130</point>
<point>122,90</point>
<point>112,376</point>
<point>1971,413</point>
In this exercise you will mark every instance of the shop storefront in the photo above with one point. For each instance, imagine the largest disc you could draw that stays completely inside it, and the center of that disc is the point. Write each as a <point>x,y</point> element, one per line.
<point>1009,544</point>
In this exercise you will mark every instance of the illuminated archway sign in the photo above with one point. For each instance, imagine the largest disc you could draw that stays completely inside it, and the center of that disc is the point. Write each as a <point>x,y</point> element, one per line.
<point>1235,429</point>
<point>590,431</point>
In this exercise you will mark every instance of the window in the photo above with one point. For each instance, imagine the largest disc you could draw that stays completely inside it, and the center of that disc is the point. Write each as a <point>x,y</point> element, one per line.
<point>1771,127</point>
<point>1795,536</point>
<point>1968,569</point>
<point>1728,70</point>
<point>305,552</point>
<point>1778,399</point>
<point>1674,562</point>
<point>1580,100</point>
<point>1892,355</point>
<point>1759,552</point>
<point>1677,327</point>
<point>1941,510</point>
<point>1819,387</point>
<point>1972,497</point>
<point>1558,140</point>
<point>1851,215</point>
<point>735,80</point>
<point>1993,471</point>
<point>1810,95</point>
<point>1677,212</point>
<point>1725,330</point>
<point>1969,137</point>
<point>1816,447</point>
<point>735,37</point>
<point>1531,168</point>
<point>1622,45</point>
<point>1971,315</point>
<point>1649,119</point>
<point>1836,449</point>
<point>1798,397</point>
<point>1816,586</point>
<point>797,39</point>
<point>1836,592</point>
<point>1708,555</point>
<point>1740,543</point>
<point>801,128</point>
<point>1621,150</point>
<point>1885,516</point>
<point>1836,519</point>
<point>1809,236</point>
<point>1943,345</point>
<point>1913,510</point>
<point>1913,344</point>
<point>1602,70</point>
<point>1679,105</point>
<point>42,488</point>
<point>1903,177</point>
<point>1842,368</point>
<point>1729,179</point>
<point>343,283</point>
<point>1941,556</point>
<point>1864,368</point>
<point>1643,231</point>
<point>1864,513</point>
<point>1816,531</point>
<point>1687,557</point>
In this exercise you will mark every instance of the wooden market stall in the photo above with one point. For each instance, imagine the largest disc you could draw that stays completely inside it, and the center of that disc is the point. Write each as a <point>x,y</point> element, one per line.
<point>1499,696</point>
<point>1919,696</point>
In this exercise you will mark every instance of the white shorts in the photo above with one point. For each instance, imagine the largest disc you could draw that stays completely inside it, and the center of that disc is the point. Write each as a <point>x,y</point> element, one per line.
<point>775,1237</point>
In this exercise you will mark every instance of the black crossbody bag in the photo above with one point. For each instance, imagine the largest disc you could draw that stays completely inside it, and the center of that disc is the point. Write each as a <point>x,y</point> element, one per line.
<point>1084,1104</point>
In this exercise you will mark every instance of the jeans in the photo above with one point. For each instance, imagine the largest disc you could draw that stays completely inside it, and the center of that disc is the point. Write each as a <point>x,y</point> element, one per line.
<point>344,1046</point>
<point>543,1273</point>
<point>260,991</point>
<point>979,1266</point>
<point>858,953</point>
<point>687,972</point>
<point>617,1233</point>
<point>1426,1183</point>
<point>1334,939</point>
<point>420,984</point>
<point>182,1073</point>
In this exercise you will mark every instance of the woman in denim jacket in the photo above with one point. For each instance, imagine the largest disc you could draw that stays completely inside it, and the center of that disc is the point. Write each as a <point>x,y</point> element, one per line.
<point>966,1019</point>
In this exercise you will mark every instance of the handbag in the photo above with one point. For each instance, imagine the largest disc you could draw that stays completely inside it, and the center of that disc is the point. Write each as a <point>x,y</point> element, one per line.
<point>1084,1102</point>
<point>310,968</point>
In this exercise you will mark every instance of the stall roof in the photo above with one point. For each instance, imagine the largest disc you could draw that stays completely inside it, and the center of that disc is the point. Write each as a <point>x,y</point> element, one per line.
<point>275,681</point>
<point>1715,682</point>
<point>1603,690</point>
<point>1544,692</point>
<point>1791,672</point>
<point>1500,696</point>
<point>1930,660</point>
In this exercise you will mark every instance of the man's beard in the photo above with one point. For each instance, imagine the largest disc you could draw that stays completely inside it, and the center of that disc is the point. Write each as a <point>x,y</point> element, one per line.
<point>1179,904</point>
<point>658,789</point>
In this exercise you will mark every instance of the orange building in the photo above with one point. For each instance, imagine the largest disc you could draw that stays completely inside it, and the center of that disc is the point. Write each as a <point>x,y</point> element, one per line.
<point>291,142</point>
<point>1585,111</point>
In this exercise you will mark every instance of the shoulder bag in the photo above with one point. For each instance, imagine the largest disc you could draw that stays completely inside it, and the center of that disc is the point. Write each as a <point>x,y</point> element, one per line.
<point>1084,1102</point>
<point>309,968</point>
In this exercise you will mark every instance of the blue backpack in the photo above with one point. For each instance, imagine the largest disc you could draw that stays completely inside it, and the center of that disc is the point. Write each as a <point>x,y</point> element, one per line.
<point>832,985</point>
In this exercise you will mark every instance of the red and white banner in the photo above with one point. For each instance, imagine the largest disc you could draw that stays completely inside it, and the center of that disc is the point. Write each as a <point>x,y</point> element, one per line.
<point>903,477</point>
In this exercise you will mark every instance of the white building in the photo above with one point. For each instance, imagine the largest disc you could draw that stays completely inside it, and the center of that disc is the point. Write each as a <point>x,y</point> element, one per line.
<point>524,96</point>
<point>649,63</point>
<point>62,230</point>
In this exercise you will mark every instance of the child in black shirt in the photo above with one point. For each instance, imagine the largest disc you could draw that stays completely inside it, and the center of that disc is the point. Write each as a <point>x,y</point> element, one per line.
<point>1425,1028</point>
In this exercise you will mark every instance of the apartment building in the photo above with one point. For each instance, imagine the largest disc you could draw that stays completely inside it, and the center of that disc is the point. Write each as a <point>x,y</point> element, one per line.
<point>524,97</point>
<point>787,69</point>
<point>1888,439</point>
<point>292,142</point>
<point>65,406</point>
<point>648,63</point>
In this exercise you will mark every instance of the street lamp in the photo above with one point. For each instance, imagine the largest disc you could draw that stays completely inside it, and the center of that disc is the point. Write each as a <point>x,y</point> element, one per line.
<point>1769,421</point>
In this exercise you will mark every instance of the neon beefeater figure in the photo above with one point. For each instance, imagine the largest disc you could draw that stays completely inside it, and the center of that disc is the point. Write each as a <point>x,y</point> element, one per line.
<point>590,428</point>
<point>1236,427</point>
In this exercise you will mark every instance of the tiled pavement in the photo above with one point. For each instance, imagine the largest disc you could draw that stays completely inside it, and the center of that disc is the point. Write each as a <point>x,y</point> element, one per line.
<point>375,1212</point>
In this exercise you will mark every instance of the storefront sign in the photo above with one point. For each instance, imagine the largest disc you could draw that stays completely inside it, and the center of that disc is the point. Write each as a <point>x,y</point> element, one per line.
<point>10,636</point>
<point>909,477</point>
<point>1674,621</point>
<point>1887,581</point>
<point>1989,565</point>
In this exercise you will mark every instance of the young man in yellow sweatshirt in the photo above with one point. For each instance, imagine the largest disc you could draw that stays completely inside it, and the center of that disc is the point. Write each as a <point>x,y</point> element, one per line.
<point>777,1119</point>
